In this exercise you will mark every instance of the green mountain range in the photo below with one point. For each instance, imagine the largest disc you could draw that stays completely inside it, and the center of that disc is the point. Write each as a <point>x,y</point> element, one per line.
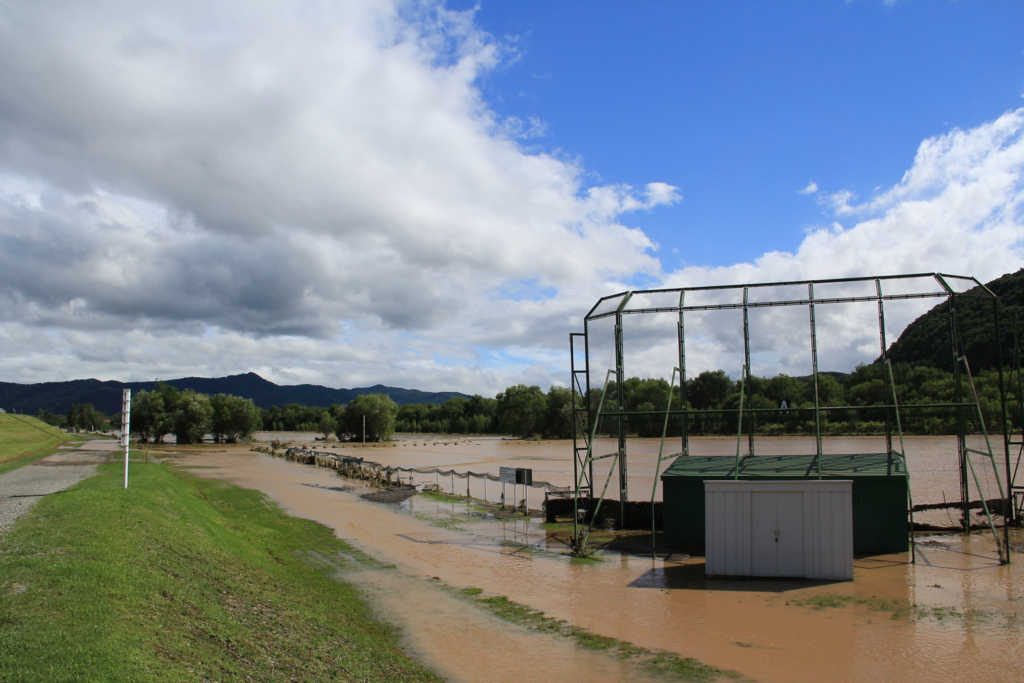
<point>57,397</point>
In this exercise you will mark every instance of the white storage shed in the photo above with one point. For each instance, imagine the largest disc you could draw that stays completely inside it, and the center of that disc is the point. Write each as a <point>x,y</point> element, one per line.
<point>800,529</point>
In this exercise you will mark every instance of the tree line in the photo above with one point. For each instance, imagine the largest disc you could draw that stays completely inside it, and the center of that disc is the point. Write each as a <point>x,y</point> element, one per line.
<point>190,416</point>
<point>369,414</point>
<point>520,410</point>
<point>80,417</point>
<point>781,404</point>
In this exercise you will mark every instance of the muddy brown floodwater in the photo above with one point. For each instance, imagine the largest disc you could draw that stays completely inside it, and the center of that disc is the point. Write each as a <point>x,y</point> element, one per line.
<point>955,615</point>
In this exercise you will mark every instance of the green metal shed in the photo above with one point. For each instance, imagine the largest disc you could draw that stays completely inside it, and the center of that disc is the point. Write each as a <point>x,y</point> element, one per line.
<point>880,521</point>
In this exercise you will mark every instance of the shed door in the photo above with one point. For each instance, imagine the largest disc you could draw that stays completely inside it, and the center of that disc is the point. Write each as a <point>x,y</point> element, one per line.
<point>777,533</point>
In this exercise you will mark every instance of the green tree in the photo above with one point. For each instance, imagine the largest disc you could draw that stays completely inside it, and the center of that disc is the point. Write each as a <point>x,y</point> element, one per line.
<point>379,412</point>
<point>784,388</point>
<point>558,419</point>
<point>709,389</point>
<point>149,418</point>
<point>234,418</point>
<point>293,417</point>
<point>85,417</point>
<point>650,397</point>
<point>48,417</point>
<point>830,392</point>
<point>193,417</point>
<point>410,417</point>
<point>521,410</point>
<point>453,411</point>
<point>328,424</point>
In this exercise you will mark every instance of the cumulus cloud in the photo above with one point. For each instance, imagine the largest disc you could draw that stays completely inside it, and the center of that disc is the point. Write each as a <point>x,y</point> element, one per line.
<point>809,188</point>
<point>319,192</point>
<point>286,171</point>
<point>956,210</point>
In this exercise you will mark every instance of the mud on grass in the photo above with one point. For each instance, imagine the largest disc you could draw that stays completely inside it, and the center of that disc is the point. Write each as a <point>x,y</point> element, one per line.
<point>181,579</point>
<point>667,664</point>
<point>899,609</point>
<point>478,505</point>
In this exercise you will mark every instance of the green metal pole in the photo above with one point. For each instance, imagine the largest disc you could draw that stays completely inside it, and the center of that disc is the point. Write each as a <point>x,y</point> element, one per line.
<point>739,428</point>
<point>961,427</point>
<point>1008,501</point>
<point>814,375</point>
<point>682,377</point>
<point>747,387</point>
<point>657,468</point>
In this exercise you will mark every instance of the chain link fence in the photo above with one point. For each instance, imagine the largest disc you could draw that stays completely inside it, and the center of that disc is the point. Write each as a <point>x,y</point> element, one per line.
<point>794,369</point>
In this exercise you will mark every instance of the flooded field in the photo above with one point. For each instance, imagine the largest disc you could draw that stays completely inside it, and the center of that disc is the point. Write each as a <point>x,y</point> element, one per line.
<point>932,462</point>
<point>954,615</point>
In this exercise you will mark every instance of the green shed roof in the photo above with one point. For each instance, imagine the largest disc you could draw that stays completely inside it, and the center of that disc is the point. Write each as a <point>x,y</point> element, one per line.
<point>788,466</point>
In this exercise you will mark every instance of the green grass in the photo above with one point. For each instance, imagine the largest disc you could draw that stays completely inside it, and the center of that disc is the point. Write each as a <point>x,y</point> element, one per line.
<point>440,496</point>
<point>895,607</point>
<point>898,609</point>
<point>449,523</point>
<point>665,664</point>
<point>181,579</point>
<point>24,440</point>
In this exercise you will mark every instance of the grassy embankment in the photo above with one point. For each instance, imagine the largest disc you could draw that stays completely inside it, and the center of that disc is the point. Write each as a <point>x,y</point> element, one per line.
<point>24,440</point>
<point>180,579</point>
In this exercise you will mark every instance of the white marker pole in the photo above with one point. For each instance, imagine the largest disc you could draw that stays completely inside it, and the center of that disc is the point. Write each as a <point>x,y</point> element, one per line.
<point>126,418</point>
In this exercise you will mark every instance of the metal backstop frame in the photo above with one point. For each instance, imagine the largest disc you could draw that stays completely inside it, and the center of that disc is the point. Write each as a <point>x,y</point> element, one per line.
<point>704,309</point>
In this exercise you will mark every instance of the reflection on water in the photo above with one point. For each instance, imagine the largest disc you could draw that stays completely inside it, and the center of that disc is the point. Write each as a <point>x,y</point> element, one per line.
<point>957,611</point>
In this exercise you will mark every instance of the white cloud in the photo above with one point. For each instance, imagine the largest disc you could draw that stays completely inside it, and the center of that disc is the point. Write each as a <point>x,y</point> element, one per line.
<point>319,193</point>
<point>956,210</point>
<point>287,172</point>
<point>809,188</point>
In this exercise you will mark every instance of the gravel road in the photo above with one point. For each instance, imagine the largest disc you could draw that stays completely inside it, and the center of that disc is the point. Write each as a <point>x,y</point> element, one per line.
<point>20,489</point>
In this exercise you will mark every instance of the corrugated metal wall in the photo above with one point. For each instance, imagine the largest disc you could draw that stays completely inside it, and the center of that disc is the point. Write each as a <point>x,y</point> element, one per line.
<point>728,518</point>
<point>801,529</point>
<point>828,534</point>
<point>879,513</point>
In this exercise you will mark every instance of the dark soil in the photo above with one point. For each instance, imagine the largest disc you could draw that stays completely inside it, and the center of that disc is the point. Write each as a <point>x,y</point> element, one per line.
<point>329,488</point>
<point>389,495</point>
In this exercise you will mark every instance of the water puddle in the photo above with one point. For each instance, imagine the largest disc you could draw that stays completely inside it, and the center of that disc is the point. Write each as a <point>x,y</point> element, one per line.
<point>954,615</point>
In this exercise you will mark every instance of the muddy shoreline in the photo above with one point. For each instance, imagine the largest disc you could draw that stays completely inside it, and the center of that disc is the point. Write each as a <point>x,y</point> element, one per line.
<point>895,621</point>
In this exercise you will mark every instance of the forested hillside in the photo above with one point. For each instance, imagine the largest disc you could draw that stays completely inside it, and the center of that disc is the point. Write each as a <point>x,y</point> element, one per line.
<point>926,340</point>
<point>58,397</point>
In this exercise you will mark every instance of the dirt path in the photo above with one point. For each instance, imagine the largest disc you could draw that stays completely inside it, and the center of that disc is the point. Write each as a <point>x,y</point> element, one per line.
<point>20,489</point>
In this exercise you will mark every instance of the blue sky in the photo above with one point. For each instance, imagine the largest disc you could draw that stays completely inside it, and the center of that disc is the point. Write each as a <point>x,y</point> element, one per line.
<point>432,194</point>
<point>742,104</point>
